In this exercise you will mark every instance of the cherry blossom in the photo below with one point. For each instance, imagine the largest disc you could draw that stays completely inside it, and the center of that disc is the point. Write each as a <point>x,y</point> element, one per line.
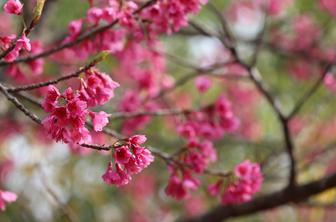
<point>13,7</point>
<point>6,197</point>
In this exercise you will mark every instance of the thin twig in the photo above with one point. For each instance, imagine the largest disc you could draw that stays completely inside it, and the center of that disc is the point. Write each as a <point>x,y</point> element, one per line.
<point>51,82</point>
<point>310,92</point>
<point>19,105</point>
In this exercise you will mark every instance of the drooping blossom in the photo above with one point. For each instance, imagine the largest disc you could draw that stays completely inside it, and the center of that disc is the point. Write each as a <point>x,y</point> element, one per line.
<point>179,185</point>
<point>130,158</point>
<point>99,120</point>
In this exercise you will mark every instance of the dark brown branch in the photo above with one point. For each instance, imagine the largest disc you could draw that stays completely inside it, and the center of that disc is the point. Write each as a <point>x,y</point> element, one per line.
<point>290,151</point>
<point>268,201</point>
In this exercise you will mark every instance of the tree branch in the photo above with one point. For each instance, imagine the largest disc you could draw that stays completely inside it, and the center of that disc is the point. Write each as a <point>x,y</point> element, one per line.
<point>268,201</point>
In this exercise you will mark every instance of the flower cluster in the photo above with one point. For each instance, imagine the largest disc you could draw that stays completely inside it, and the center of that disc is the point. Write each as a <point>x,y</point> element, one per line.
<point>170,16</point>
<point>248,182</point>
<point>23,43</point>
<point>68,111</point>
<point>212,122</point>
<point>200,128</point>
<point>129,158</point>
<point>147,77</point>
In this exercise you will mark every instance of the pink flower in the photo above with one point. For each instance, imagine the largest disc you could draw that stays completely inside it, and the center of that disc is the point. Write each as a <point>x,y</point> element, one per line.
<point>12,55</point>
<point>75,27</point>
<point>175,188</point>
<point>137,139</point>
<point>13,7</point>
<point>203,83</point>
<point>23,43</point>
<point>117,177</point>
<point>97,88</point>
<point>6,41</point>
<point>178,188</point>
<point>50,101</point>
<point>143,156</point>
<point>330,82</point>
<point>94,15</point>
<point>122,154</point>
<point>6,196</point>
<point>132,166</point>
<point>99,120</point>
<point>214,189</point>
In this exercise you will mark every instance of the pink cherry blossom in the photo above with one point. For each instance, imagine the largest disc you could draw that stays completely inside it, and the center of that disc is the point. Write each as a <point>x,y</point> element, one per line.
<point>122,154</point>
<point>215,188</point>
<point>130,158</point>
<point>13,7</point>
<point>116,176</point>
<point>24,43</point>
<point>97,88</point>
<point>203,83</point>
<point>179,187</point>
<point>99,120</point>
<point>5,41</point>
<point>6,197</point>
<point>75,27</point>
<point>137,139</point>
